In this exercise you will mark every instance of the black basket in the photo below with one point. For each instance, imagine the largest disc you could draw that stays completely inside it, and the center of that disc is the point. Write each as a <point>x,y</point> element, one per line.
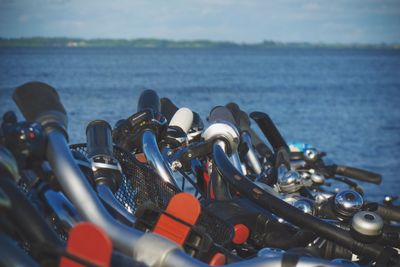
<point>141,184</point>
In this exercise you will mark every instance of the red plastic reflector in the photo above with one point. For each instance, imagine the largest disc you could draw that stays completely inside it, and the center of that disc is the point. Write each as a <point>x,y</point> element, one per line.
<point>241,234</point>
<point>184,207</point>
<point>88,242</point>
<point>141,157</point>
<point>218,259</point>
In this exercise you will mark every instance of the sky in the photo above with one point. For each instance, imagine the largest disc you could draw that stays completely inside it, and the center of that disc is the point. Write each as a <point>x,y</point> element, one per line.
<point>250,21</point>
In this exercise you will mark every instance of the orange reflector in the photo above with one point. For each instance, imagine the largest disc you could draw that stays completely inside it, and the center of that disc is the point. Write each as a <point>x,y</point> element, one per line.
<point>184,207</point>
<point>241,234</point>
<point>218,259</point>
<point>88,242</point>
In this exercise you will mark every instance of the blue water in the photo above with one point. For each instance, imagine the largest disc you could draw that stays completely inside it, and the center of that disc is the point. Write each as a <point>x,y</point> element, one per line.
<point>345,102</point>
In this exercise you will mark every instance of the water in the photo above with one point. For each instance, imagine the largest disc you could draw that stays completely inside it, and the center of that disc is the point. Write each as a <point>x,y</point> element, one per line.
<point>345,102</point>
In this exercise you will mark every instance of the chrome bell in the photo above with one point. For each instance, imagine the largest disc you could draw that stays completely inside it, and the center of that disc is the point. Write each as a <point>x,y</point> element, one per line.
<point>317,178</point>
<point>367,223</point>
<point>347,202</point>
<point>310,154</point>
<point>289,182</point>
<point>366,226</point>
<point>305,205</point>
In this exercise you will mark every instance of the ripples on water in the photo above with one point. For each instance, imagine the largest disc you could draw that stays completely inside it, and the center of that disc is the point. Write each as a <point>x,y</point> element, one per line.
<point>345,102</point>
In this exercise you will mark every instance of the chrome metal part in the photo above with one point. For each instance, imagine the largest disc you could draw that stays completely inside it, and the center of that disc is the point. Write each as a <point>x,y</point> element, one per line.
<point>268,188</point>
<point>317,178</point>
<point>348,202</point>
<point>251,155</point>
<point>290,182</point>
<point>9,163</point>
<point>155,250</point>
<point>321,196</point>
<point>194,135</point>
<point>155,159</point>
<point>62,208</point>
<point>297,164</point>
<point>105,162</point>
<point>305,205</point>
<point>108,197</point>
<point>236,162</point>
<point>310,154</point>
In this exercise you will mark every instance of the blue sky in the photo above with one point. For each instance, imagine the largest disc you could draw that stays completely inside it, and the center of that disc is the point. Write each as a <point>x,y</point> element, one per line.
<point>330,21</point>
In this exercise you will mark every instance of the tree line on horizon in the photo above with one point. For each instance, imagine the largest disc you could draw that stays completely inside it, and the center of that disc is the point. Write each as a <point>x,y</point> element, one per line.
<point>163,43</point>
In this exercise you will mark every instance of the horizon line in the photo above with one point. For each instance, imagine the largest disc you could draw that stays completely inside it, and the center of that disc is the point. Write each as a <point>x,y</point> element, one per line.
<point>243,43</point>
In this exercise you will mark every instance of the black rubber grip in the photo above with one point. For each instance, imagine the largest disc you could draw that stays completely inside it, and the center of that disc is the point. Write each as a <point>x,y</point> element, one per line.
<point>270,131</point>
<point>390,213</point>
<point>168,108</point>
<point>220,113</point>
<point>358,174</point>
<point>244,123</point>
<point>149,100</point>
<point>99,139</point>
<point>235,110</point>
<point>261,147</point>
<point>40,102</point>
<point>241,118</point>
<point>197,124</point>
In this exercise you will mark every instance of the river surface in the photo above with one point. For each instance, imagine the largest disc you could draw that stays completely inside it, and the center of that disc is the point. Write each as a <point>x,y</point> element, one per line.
<point>344,102</point>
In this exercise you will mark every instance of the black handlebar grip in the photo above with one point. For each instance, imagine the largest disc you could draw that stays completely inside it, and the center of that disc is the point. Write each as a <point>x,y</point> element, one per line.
<point>244,123</point>
<point>40,102</point>
<point>358,174</point>
<point>261,147</point>
<point>168,108</point>
<point>270,131</point>
<point>149,100</point>
<point>99,138</point>
<point>220,113</point>
<point>389,213</point>
<point>241,118</point>
<point>197,123</point>
<point>235,110</point>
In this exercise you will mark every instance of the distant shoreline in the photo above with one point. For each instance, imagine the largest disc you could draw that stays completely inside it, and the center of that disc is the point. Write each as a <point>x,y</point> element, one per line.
<point>163,43</point>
